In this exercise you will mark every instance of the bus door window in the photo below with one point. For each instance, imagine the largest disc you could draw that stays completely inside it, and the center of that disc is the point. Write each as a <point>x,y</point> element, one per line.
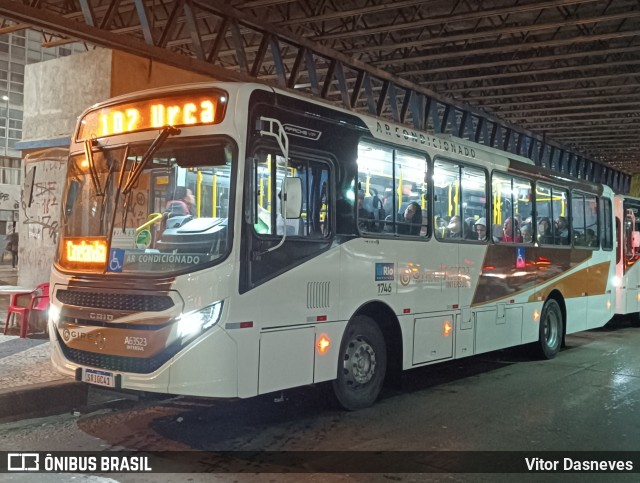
<point>631,225</point>
<point>269,171</point>
<point>315,199</point>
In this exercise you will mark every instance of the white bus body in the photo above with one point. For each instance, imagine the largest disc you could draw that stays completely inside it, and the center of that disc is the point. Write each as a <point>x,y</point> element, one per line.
<point>335,302</point>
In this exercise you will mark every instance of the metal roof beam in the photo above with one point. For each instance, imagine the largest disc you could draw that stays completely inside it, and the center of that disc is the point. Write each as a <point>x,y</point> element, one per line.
<point>245,39</point>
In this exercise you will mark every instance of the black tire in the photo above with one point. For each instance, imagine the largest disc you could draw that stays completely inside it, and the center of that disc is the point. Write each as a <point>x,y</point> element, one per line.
<point>551,328</point>
<point>362,364</point>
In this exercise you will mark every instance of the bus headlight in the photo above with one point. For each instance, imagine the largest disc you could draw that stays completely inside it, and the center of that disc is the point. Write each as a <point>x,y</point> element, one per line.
<point>198,321</point>
<point>54,313</point>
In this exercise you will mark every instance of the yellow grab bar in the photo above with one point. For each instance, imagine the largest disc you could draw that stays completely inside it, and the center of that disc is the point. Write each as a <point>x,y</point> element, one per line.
<point>151,219</point>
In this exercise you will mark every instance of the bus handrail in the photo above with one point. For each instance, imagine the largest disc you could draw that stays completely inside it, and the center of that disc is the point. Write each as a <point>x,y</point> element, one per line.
<point>151,219</point>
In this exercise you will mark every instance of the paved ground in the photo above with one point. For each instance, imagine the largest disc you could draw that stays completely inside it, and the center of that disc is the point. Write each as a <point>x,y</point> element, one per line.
<point>23,362</point>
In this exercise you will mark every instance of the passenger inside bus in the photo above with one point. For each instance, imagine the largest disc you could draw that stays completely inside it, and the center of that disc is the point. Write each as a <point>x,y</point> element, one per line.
<point>562,231</point>
<point>527,233</point>
<point>481,229</point>
<point>454,228</point>
<point>591,239</point>
<point>511,231</point>
<point>182,204</point>
<point>469,229</point>
<point>544,231</point>
<point>410,221</point>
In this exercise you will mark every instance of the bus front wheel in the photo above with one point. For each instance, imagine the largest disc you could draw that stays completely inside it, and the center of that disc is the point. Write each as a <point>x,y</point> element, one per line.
<point>551,325</point>
<point>362,364</point>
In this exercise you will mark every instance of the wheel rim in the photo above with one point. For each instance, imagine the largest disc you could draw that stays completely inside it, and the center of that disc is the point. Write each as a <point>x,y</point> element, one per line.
<point>551,324</point>
<point>359,362</point>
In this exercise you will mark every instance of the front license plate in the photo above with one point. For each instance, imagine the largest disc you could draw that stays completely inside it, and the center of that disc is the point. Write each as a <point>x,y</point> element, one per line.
<point>99,378</point>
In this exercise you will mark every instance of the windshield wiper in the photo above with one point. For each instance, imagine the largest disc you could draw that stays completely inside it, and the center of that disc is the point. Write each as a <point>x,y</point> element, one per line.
<point>123,167</point>
<point>137,169</point>
<point>103,205</point>
<point>93,174</point>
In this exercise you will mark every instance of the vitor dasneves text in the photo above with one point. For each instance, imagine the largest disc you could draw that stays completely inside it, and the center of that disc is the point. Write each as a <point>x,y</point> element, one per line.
<point>571,464</point>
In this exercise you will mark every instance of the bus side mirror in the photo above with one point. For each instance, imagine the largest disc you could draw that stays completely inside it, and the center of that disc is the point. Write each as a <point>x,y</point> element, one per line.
<point>292,188</point>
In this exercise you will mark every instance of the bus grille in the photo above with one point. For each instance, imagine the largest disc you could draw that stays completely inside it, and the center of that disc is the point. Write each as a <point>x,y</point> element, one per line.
<point>135,365</point>
<point>115,301</point>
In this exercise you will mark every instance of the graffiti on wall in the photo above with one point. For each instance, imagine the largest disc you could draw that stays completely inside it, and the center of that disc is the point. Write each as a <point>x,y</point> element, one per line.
<point>9,196</point>
<point>42,218</point>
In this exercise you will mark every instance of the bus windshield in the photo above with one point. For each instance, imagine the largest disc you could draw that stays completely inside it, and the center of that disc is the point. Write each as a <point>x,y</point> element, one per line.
<point>168,213</point>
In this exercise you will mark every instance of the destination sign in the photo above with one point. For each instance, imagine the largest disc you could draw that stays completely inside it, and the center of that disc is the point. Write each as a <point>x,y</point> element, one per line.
<point>84,252</point>
<point>178,111</point>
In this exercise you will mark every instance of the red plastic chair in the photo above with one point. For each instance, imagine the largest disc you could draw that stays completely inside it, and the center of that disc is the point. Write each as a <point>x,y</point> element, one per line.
<point>24,303</point>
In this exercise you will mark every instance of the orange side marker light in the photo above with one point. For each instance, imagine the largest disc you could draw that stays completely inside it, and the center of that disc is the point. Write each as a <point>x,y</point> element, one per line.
<point>323,344</point>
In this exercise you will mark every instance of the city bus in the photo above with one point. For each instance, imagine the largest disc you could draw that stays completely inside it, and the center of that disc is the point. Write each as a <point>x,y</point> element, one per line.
<point>627,280</point>
<point>318,245</point>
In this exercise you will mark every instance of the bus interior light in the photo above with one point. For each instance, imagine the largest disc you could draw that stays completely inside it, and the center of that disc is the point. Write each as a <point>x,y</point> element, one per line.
<point>200,320</point>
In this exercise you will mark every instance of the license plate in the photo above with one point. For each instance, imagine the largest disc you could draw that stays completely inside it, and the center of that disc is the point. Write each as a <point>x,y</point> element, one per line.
<point>99,378</point>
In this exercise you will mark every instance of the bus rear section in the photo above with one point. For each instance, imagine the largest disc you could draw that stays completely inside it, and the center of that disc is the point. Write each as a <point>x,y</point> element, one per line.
<point>627,280</point>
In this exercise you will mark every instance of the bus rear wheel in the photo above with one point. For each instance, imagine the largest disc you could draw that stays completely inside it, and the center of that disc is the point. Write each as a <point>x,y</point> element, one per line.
<point>551,324</point>
<point>362,364</point>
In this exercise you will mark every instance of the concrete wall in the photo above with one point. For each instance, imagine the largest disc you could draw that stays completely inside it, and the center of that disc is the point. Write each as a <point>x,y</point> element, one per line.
<point>39,222</point>
<point>132,73</point>
<point>56,93</point>
<point>59,90</point>
<point>9,197</point>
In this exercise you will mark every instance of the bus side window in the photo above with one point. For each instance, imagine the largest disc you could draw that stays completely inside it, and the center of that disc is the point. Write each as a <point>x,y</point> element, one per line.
<point>474,201</point>
<point>512,209</point>
<point>392,191</point>
<point>446,200</point>
<point>552,212</point>
<point>584,212</point>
